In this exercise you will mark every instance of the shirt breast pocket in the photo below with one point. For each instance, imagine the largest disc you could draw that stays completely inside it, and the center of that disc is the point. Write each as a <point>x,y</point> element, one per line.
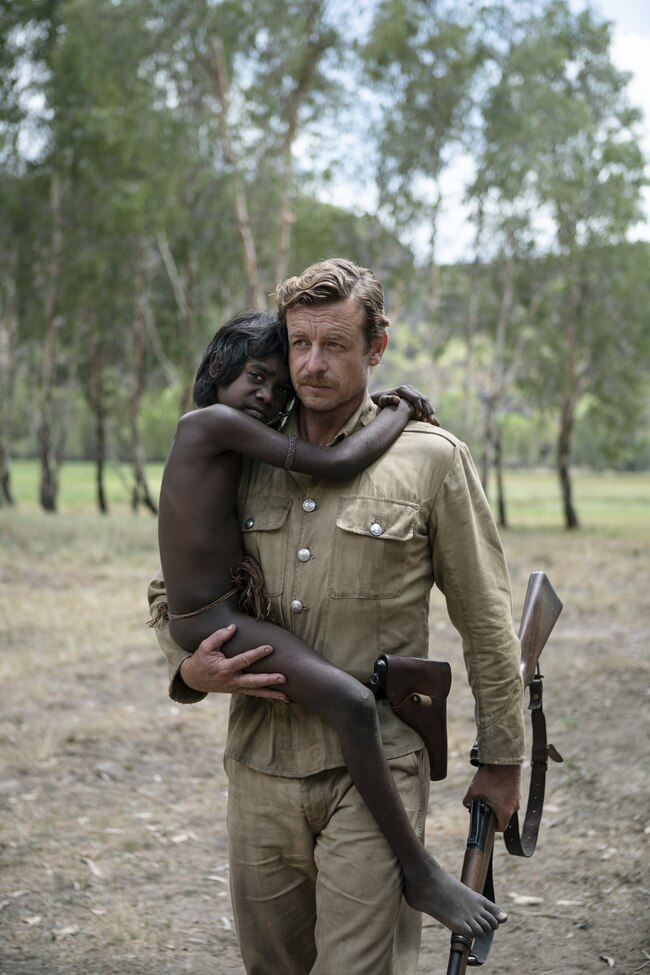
<point>371,549</point>
<point>264,537</point>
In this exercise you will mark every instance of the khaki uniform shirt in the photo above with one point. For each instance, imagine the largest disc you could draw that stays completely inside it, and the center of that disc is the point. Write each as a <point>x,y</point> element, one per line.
<point>349,568</point>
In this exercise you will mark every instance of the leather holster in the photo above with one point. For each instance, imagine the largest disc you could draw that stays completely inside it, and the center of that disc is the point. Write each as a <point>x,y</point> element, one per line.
<point>417,692</point>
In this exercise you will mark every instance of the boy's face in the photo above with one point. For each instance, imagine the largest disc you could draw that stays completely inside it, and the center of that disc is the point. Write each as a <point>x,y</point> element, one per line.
<point>262,389</point>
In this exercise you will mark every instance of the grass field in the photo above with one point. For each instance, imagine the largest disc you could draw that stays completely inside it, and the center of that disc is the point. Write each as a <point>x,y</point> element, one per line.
<point>605,501</point>
<point>78,488</point>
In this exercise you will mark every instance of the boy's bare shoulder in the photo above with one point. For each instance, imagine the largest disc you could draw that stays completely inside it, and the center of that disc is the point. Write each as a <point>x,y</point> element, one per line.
<point>209,416</point>
<point>199,413</point>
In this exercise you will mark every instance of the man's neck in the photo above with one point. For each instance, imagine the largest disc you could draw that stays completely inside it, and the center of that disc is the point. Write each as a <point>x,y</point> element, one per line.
<point>323,428</point>
<point>317,428</point>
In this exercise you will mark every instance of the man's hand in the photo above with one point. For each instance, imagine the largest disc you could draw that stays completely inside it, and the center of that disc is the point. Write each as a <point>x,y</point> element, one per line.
<point>209,670</point>
<point>421,406</point>
<point>500,787</point>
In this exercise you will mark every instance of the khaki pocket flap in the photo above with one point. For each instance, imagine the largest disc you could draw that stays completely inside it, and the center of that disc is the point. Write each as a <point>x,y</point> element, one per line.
<point>265,514</point>
<point>377,518</point>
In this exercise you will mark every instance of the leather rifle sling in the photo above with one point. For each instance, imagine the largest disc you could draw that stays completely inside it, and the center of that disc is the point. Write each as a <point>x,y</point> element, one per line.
<point>522,843</point>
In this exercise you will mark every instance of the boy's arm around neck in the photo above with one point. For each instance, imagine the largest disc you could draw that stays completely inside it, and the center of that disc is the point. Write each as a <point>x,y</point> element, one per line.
<point>223,428</point>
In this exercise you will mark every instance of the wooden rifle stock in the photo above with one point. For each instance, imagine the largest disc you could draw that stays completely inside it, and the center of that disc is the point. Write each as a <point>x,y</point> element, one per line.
<point>542,606</point>
<point>476,865</point>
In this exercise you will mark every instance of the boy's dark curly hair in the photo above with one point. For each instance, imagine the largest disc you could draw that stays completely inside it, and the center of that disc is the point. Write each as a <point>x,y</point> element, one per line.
<point>250,334</point>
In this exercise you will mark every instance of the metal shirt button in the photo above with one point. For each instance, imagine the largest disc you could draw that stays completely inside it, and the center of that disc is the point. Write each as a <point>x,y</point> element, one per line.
<point>376,529</point>
<point>309,504</point>
<point>296,606</point>
<point>304,554</point>
<point>249,523</point>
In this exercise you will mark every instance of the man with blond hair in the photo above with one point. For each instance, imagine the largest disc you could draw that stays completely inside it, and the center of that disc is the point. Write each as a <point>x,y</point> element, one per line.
<point>349,568</point>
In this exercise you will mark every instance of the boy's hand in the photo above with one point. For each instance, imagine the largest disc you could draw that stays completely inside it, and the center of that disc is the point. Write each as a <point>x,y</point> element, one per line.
<point>421,405</point>
<point>209,670</point>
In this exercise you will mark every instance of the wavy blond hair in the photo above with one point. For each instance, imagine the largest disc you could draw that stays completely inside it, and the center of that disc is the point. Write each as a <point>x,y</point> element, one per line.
<point>333,280</point>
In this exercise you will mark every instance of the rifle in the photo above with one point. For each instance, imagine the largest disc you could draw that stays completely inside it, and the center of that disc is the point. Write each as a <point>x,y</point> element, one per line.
<point>542,607</point>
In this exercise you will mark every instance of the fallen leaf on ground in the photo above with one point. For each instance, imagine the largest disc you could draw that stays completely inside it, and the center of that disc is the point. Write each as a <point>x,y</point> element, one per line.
<point>525,900</point>
<point>95,870</point>
<point>59,933</point>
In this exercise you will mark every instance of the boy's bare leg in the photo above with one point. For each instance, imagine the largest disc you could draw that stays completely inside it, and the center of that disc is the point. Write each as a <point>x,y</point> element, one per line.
<point>350,708</point>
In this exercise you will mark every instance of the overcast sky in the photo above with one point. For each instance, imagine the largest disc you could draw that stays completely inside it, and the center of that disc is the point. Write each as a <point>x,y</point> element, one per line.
<point>631,48</point>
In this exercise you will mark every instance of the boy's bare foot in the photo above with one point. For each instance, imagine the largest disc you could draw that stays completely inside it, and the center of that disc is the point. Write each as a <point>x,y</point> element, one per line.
<point>436,892</point>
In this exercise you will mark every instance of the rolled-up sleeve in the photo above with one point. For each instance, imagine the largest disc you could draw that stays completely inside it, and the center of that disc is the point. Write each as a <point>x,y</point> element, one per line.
<point>178,689</point>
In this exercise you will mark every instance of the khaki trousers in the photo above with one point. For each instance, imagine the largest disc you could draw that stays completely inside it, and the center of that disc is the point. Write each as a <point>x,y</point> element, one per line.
<point>315,887</point>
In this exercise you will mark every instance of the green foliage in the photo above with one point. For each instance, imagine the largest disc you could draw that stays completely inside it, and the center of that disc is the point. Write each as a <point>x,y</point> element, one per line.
<point>322,230</point>
<point>528,439</point>
<point>422,58</point>
<point>608,437</point>
<point>118,101</point>
<point>160,415</point>
<point>408,360</point>
<point>558,130</point>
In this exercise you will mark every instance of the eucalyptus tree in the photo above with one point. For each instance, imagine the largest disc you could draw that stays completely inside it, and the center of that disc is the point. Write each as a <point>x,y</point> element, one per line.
<point>28,31</point>
<point>422,58</point>
<point>520,283</point>
<point>47,241</point>
<point>241,81</point>
<point>293,89</point>
<point>265,69</point>
<point>562,141</point>
<point>8,328</point>
<point>609,350</point>
<point>11,119</point>
<point>111,129</point>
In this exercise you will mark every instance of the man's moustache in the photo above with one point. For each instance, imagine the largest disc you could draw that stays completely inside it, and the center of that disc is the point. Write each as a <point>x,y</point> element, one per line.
<point>308,381</point>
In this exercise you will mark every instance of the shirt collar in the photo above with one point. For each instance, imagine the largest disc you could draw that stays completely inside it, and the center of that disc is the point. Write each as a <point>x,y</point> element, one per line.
<point>360,418</point>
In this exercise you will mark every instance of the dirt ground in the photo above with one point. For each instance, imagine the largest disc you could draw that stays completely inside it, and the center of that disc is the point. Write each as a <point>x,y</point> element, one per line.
<point>112,840</point>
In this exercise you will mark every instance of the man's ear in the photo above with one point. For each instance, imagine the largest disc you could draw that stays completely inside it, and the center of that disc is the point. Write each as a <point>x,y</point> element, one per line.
<point>378,348</point>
